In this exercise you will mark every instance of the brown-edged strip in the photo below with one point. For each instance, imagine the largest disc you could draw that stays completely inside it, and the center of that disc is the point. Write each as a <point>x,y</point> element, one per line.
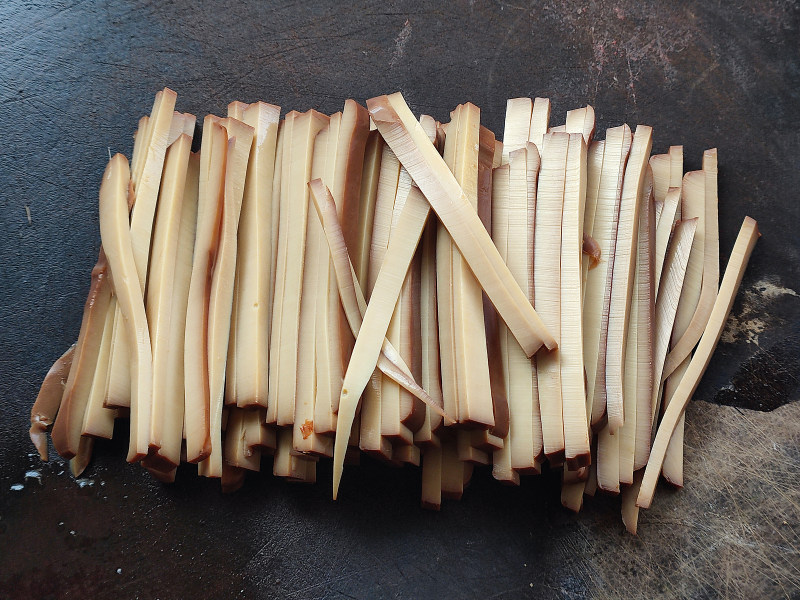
<point>66,433</point>
<point>45,408</point>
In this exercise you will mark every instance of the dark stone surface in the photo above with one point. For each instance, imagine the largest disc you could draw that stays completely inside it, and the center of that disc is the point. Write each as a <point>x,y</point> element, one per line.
<point>75,77</point>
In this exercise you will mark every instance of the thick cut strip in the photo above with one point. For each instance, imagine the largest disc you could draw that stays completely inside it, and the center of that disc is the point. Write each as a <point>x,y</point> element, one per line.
<point>239,139</point>
<point>573,390</point>
<point>594,169</point>
<point>236,451</point>
<point>48,401</point>
<point>623,276</point>
<point>660,164</point>
<point>597,295</point>
<point>166,425</point>
<point>668,298</point>
<point>418,155</point>
<point>547,285</point>
<point>117,242</point>
<point>301,131</point>
<point>254,260</point>
<point>686,342</point>
<point>399,254</point>
<point>432,478</point>
<point>211,182</point>
<point>146,178</point>
<point>740,255</point>
<point>68,424</point>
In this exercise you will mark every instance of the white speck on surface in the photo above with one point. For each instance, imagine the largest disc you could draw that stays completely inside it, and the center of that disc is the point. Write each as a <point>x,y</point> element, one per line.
<point>72,532</point>
<point>119,571</point>
<point>17,487</point>
<point>400,43</point>
<point>28,214</point>
<point>60,523</point>
<point>83,482</point>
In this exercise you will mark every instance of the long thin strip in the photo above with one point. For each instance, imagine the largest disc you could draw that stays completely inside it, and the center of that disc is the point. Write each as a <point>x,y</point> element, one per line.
<point>48,401</point>
<point>645,333</point>
<point>365,355</point>
<point>660,164</point>
<point>598,280</point>
<point>740,255</point>
<point>668,298</point>
<point>240,139</point>
<point>411,145</point>
<point>146,179</point>
<point>117,241</point>
<point>573,389</point>
<point>366,212</point>
<point>211,182</point>
<point>708,294</point>
<point>167,424</point>
<point>255,260</point>
<point>624,270</point>
<point>594,169</point>
<point>547,284</point>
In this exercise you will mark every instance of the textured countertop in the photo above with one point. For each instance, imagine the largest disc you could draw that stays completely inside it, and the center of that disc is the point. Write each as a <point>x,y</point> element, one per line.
<point>74,79</point>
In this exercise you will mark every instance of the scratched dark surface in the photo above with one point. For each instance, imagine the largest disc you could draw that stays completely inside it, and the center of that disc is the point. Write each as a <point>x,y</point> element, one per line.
<point>75,77</point>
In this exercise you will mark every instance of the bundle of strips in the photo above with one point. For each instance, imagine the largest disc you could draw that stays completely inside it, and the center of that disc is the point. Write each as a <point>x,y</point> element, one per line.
<point>315,286</point>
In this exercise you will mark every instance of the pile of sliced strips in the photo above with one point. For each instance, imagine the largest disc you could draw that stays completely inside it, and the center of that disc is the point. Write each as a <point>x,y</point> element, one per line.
<point>319,286</point>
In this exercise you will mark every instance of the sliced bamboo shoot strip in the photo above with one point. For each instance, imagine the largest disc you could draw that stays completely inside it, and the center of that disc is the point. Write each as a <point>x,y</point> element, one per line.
<point>517,125</point>
<point>382,217</point>
<point>211,181</point>
<point>630,512</point>
<point>79,462</point>
<point>98,421</point>
<point>370,338</point>
<point>454,472</point>
<point>139,141</point>
<point>254,289</point>
<point>236,450</point>
<point>659,208</point>
<point>540,119</point>
<point>581,120</point>
<point>638,339</point>
<point>166,425</point>
<point>660,164</point>
<point>366,211</point>
<point>432,478</point>
<point>240,140</point>
<point>257,434</point>
<point>672,202</point>
<point>146,179</point>
<point>296,166</point>
<point>390,363</point>
<point>573,390</point>
<point>624,270</point>
<point>608,461</point>
<point>745,241</point>
<point>673,459</point>
<point>411,145</point>
<point>117,241</point>
<point>473,386</point>
<point>547,285</point>
<point>598,280</point>
<point>594,169</point>
<point>668,298</point>
<point>645,331</point>
<point>305,437</point>
<point>48,401</point>
<point>676,167</point>
<point>694,331</point>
